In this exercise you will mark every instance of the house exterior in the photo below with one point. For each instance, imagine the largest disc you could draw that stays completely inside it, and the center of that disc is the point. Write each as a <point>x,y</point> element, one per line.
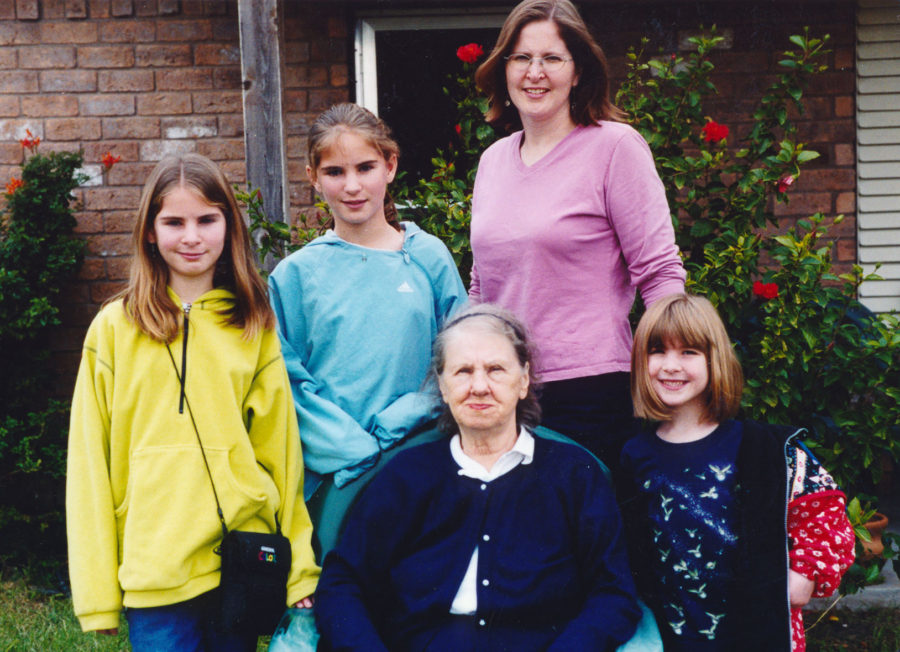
<point>240,81</point>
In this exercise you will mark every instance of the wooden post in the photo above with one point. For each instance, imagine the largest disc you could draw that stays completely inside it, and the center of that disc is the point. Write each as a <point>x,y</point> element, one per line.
<point>261,23</point>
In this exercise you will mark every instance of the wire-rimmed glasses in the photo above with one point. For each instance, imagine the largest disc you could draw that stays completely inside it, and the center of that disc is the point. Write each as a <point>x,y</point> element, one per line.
<point>520,62</point>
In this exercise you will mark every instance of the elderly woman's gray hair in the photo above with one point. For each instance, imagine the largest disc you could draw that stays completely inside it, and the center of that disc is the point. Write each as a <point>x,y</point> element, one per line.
<point>501,322</point>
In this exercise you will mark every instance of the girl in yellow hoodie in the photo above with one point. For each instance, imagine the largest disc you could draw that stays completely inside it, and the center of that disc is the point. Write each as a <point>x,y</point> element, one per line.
<point>141,515</point>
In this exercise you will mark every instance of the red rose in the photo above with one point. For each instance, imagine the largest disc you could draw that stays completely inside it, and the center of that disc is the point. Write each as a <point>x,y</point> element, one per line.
<point>785,182</point>
<point>714,132</point>
<point>765,290</point>
<point>13,185</point>
<point>469,53</point>
<point>458,130</point>
<point>109,160</point>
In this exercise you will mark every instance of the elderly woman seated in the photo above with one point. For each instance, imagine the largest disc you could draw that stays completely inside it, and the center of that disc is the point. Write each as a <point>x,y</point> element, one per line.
<point>495,539</point>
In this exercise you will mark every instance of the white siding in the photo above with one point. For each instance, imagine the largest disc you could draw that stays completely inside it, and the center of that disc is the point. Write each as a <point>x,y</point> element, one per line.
<point>878,150</point>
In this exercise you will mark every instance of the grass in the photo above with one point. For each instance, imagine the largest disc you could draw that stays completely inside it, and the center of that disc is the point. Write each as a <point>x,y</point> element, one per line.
<point>34,621</point>
<point>875,630</point>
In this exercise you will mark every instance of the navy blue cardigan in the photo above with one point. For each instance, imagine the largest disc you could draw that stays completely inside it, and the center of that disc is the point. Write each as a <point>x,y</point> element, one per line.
<point>552,570</point>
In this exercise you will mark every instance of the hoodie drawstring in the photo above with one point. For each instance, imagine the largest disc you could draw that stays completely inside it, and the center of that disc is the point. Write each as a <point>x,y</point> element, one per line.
<point>187,311</point>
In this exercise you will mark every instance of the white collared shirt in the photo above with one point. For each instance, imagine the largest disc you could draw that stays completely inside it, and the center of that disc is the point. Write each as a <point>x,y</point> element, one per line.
<point>522,452</point>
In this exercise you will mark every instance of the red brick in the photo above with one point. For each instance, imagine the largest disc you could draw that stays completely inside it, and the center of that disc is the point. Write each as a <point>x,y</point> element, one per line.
<point>231,125</point>
<point>57,106</point>
<point>306,76</point>
<point>69,81</point>
<point>189,31</point>
<point>216,54</point>
<point>186,79</point>
<point>227,78</point>
<point>225,30</point>
<point>218,102</point>
<point>128,31</point>
<point>844,154</point>
<point>328,50</point>
<point>319,100</point>
<point>9,106</point>
<point>170,7</point>
<point>121,221</point>
<point>296,52</point>
<point>805,203</point>
<point>338,75</point>
<point>125,80</point>
<point>53,8</point>
<point>134,127</point>
<point>19,82</point>
<point>162,55</point>
<point>844,59</point>
<point>95,151</point>
<point>7,11</point>
<point>98,8</point>
<point>234,171</point>
<point>221,150</point>
<point>296,146</point>
<point>47,57</point>
<point>105,198</point>
<point>833,83</point>
<point>164,104</point>
<point>80,313</point>
<point>337,27</point>
<point>156,150</point>
<point>113,104</point>
<point>213,7</point>
<point>92,269</point>
<point>118,268</point>
<point>827,131</point>
<point>189,127</point>
<point>89,222</point>
<point>19,33</point>
<point>100,292</point>
<point>295,100</point>
<point>145,7</point>
<point>73,129</point>
<point>129,174</point>
<point>109,245</point>
<point>828,179</point>
<point>122,7</point>
<point>845,203</point>
<point>11,154</point>
<point>844,106</point>
<point>27,10</point>
<point>68,32</point>
<point>106,56</point>
<point>8,59</point>
<point>846,250</point>
<point>76,8</point>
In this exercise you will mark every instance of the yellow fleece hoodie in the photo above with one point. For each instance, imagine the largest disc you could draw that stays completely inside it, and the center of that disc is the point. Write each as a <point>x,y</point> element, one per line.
<point>141,517</point>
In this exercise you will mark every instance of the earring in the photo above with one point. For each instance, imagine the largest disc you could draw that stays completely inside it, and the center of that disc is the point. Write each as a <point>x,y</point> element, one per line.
<point>506,103</point>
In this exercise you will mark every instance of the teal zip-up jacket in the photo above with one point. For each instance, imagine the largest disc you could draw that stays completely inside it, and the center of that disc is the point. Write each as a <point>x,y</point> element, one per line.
<point>356,327</point>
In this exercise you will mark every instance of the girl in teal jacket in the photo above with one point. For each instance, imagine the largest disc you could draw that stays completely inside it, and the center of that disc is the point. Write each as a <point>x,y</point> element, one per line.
<point>359,307</point>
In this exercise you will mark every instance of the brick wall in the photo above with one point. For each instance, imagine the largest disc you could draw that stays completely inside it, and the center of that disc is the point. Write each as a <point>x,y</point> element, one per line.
<point>143,78</point>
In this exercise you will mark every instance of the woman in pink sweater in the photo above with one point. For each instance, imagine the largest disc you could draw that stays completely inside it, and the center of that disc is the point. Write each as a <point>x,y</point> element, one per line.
<point>569,217</point>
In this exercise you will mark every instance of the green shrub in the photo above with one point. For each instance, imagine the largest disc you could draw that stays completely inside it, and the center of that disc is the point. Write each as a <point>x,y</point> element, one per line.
<point>39,256</point>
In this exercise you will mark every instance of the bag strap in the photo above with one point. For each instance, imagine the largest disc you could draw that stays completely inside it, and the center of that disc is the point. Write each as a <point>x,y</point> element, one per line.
<point>200,442</point>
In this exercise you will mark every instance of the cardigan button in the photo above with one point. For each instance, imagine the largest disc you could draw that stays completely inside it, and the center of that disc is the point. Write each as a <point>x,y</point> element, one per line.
<point>483,486</point>
<point>486,537</point>
<point>482,623</point>
<point>485,582</point>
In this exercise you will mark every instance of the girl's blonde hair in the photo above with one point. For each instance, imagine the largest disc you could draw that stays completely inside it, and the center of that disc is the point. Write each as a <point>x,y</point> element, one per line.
<point>693,322</point>
<point>349,117</point>
<point>146,298</point>
<point>589,100</point>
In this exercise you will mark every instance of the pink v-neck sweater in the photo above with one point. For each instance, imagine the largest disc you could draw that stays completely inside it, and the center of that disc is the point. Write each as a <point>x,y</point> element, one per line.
<point>563,244</point>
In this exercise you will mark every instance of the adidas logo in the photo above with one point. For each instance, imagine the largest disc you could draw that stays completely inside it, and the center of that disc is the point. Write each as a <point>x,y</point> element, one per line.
<point>404,287</point>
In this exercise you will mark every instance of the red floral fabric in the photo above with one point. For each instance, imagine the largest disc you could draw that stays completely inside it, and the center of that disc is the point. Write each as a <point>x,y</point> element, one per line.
<point>822,547</point>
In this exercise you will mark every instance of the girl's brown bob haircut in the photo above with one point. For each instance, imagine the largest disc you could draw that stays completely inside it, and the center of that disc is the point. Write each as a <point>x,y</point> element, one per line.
<point>146,298</point>
<point>589,99</point>
<point>693,322</point>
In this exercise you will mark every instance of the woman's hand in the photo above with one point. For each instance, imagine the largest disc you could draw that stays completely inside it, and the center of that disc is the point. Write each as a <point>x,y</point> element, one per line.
<point>305,603</point>
<point>800,589</point>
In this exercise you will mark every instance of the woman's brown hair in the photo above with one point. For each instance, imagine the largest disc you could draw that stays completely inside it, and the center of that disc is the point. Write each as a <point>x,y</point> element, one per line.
<point>693,322</point>
<point>349,117</point>
<point>589,100</point>
<point>146,298</point>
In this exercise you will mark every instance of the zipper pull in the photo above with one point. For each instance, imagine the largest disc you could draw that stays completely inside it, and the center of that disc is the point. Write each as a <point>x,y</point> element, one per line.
<point>405,254</point>
<point>184,339</point>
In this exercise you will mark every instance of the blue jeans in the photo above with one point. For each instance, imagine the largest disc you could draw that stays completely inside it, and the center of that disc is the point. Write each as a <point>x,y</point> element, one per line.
<point>184,626</point>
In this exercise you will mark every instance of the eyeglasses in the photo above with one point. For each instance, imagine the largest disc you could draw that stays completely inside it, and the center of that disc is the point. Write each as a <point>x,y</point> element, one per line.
<point>520,62</point>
